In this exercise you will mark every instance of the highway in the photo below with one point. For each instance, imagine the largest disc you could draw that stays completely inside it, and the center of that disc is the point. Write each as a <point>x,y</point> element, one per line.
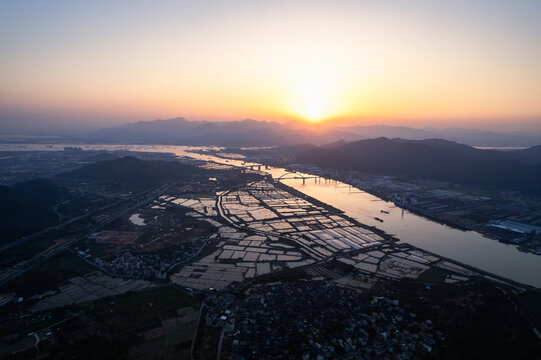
<point>20,268</point>
<point>67,222</point>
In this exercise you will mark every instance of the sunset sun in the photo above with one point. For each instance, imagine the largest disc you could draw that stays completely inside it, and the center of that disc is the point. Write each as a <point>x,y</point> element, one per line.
<point>313,111</point>
<point>314,94</point>
<point>312,102</point>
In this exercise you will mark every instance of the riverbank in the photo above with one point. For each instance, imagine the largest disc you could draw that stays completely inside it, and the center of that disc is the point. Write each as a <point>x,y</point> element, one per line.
<point>335,210</point>
<point>458,222</point>
<point>392,239</point>
<point>444,220</point>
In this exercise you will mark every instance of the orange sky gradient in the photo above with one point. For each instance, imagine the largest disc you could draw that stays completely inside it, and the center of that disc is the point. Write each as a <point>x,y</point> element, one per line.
<point>446,64</point>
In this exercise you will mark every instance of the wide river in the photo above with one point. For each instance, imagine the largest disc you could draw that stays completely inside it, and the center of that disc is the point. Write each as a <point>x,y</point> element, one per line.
<point>468,247</point>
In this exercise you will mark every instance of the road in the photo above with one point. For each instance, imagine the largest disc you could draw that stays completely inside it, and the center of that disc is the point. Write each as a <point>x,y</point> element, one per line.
<point>70,221</point>
<point>24,266</point>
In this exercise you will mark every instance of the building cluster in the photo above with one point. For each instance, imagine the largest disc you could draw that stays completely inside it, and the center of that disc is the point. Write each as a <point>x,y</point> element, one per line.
<point>317,320</point>
<point>221,310</point>
<point>507,216</point>
<point>148,265</point>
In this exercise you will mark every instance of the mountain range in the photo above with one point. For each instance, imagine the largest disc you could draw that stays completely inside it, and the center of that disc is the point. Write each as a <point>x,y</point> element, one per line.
<point>246,133</point>
<point>252,133</point>
<point>436,159</point>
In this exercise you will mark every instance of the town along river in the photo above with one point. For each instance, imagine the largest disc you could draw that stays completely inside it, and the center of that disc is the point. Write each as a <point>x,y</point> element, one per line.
<point>467,247</point>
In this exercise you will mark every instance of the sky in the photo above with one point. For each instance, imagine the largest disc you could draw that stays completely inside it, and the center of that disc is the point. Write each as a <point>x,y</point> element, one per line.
<point>91,64</point>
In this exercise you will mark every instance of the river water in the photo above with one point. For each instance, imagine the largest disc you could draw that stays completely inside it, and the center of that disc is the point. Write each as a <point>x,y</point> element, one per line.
<point>468,247</point>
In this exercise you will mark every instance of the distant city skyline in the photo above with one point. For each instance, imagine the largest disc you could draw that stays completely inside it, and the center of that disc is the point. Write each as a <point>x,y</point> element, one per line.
<point>76,65</point>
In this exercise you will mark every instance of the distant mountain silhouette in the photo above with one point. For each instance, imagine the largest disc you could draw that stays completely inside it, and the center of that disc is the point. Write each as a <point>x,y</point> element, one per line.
<point>435,159</point>
<point>245,133</point>
<point>251,133</point>
<point>464,136</point>
<point>335,144</point>
<point>129,173</point>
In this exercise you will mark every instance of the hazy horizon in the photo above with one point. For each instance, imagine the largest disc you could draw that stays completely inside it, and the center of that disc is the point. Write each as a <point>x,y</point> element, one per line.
<point>447,64</point>
<point>53,128</point>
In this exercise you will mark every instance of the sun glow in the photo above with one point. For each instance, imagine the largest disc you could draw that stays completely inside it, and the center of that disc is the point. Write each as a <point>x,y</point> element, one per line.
<point>312,101</point>
<point>357,61</point>
<point>314,93</point>
<point>314,111</point>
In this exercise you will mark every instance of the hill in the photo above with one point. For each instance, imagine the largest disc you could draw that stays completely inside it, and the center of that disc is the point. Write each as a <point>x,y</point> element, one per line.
<point>464,136</point>
<point>22,214</point>
<point>530,156</point>
<point>432,159</point>
<point>28,207</point>
<point>44,190</point>
<point>129,173</point>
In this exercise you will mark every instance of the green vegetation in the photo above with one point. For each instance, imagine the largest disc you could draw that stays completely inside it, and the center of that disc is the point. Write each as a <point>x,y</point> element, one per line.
<point>48,275</point>
<point>434,159</point>
<point>26,250</point>
<point>22,215</point>
<point>163,300</point>
<point>104,329</point>
<point>286,275</point>
<point>478,319</point>
<point>44,190</point>
<point>530,306</point>
<point>433,275</point>
<point>206,343</point>
<point>80,205</point>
